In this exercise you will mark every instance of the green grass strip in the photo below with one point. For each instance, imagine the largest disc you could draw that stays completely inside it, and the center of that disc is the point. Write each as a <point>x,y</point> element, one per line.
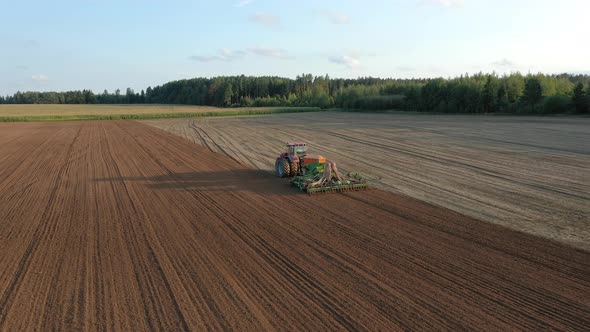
<point>233,112</point>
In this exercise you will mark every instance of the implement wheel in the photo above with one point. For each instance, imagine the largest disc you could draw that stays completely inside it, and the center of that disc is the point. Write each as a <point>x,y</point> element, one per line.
<point>282,167</point>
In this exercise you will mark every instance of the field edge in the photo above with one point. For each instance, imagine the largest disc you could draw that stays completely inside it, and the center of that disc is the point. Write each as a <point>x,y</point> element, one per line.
<point>153,116</point>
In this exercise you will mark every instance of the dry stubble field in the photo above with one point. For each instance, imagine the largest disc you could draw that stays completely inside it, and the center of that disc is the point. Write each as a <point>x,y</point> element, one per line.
<point>48,110</point>
<point>527,173</point>
<point>118,225</point>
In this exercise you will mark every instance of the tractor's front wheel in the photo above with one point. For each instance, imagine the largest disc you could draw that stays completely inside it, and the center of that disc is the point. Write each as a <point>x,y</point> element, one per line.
<point>282,167</point>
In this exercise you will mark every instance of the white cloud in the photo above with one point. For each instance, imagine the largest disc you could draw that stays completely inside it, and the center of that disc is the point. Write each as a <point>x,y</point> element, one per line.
<point>406,68</point>
<point>222,55</point>
<point>226,54</point>
<point>266,19</point>
<point>30,43</point>
<point>40,78</point>
<point>204,58</point>
<point>445,3</point>
<point>350,61</point>
<point>336,17</point>
<point>504,63</point>
<point>243,3</point>
<point>269,52</point>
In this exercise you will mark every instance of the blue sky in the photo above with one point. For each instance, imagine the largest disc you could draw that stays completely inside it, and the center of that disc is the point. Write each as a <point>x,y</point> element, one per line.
<point>104,44</point>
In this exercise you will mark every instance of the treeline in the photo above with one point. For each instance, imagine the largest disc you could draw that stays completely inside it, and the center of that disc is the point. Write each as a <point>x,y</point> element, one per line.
<point>479,93</point>
<point>75,97</point>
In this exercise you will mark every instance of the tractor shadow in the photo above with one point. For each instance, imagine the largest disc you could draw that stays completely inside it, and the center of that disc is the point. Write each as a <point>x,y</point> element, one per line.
<point>239,180</point>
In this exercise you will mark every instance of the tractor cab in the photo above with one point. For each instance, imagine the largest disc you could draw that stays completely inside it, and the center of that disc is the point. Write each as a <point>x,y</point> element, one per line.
<point>296,148</point>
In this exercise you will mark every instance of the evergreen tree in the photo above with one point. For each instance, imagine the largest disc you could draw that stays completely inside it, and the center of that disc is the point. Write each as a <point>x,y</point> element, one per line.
<point>533,92</point>
<point>130,96</point>
<point>502,99</point>
<point>228,94</point>
<point>514,87</point>
<point>487,95</point>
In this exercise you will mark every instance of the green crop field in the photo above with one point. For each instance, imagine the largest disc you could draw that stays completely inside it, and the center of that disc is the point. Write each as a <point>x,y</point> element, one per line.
<point>42,112</point>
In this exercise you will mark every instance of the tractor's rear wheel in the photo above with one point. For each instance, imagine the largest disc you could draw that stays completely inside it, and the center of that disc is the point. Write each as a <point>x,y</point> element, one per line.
<point>294,169</point>
<point>282,167</point>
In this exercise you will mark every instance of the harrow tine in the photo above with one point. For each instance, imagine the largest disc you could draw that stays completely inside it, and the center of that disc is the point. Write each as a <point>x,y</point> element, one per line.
<point>336,188</point>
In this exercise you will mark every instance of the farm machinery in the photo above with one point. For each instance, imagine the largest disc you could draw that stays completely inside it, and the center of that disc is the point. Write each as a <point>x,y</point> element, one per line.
<point>313,173</point>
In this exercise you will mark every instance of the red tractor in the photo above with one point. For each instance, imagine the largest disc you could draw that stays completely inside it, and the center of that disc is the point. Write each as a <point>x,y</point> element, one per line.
<point>313,174</point>
<point>293,162</point>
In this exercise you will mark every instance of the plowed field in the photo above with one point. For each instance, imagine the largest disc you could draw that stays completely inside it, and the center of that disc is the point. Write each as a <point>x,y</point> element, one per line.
<point>122,226</point>
<point>526,173</point>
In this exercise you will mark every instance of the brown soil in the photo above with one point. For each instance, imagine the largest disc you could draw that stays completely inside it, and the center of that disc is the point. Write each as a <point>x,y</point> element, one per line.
<point>527,173</point>
<point>121,226</point>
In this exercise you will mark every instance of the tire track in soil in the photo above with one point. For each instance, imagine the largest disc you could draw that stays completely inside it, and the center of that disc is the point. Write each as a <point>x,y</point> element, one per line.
<point>221,216</point>
<point>42,230</point>
<point>137,229</point>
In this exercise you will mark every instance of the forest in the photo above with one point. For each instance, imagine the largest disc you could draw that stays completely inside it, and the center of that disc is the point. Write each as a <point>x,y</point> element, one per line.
<point>478,93</point>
